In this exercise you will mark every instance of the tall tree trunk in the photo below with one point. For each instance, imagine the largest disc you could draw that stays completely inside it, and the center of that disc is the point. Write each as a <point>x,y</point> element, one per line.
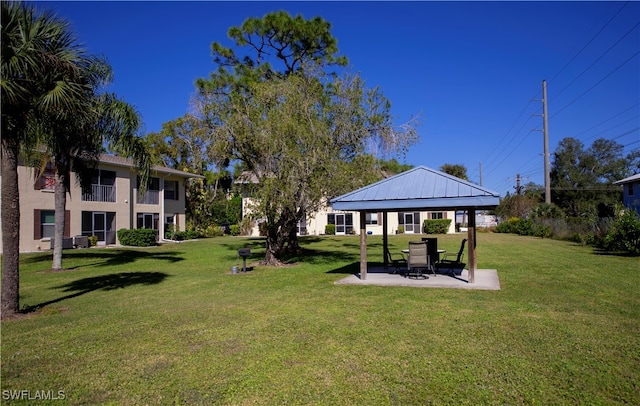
<point>10,207</point>
<point>273,246</point>
<point>291,230</point>
<point>60,205</point>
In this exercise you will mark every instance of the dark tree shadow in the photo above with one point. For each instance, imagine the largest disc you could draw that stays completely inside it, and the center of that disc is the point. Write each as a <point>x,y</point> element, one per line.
<point>348,269</point>
<point>600,251</point>
<point>109,257</point>
<point>104,282</point>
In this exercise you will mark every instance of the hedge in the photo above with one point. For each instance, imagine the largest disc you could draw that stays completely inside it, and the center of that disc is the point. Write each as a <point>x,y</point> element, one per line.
<point>438,226</point>
<point>137,237</point>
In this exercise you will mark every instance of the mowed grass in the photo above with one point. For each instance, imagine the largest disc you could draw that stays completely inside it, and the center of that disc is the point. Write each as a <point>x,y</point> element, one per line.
<point>172,325</point>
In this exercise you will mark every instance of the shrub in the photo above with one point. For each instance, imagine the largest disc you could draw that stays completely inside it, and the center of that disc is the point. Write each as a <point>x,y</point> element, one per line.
<point>186,235</point>
<point>509,226</point>
<point>330,229</point>
<point>234,229</point>
<point>400,229</point>
<point>137,237</point>
<point>93,240</point>
<point>516,225</point>
<point>246,226</point>
<point>624,235</point>
<point>439,226</point>
<point>213,231</point>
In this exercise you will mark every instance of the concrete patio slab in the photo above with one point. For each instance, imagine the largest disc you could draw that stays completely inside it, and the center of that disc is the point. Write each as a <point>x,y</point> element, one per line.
<point>485,279</point>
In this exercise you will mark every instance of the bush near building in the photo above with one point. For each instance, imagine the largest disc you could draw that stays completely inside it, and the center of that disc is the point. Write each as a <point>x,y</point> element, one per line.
<point>437,226</point>
<point>137,237</point>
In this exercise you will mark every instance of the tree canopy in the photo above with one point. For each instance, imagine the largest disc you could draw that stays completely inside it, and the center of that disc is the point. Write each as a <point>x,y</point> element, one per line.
<point>457,170</point>
<point>301,130</point>
<point>582,179</point>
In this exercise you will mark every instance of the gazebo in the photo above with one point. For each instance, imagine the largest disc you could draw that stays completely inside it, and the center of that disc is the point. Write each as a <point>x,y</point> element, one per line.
<point>420,188</point>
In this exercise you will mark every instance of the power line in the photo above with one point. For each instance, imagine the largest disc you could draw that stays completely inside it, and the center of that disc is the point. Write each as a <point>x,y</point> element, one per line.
<point>615,126</point>
<point>596,84</point>
<point>507,133</point>
<point>596,61</point>
<point>608,119</point>
<point>591,40</point>
<point>626,133</point>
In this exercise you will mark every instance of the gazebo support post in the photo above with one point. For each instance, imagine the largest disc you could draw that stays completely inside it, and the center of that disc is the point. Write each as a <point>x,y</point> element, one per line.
<point>363,245</point>
<point>471,246</point>
<point>385,240</point>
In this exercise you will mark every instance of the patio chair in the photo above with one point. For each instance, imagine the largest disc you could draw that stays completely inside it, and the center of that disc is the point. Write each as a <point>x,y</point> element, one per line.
<point>418,259</point>
<point>397,262</point>
<point>451,264</point>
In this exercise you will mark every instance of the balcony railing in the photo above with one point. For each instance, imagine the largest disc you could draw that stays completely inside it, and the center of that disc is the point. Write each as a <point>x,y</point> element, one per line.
<point>150,197</point>
<point>100,193</point>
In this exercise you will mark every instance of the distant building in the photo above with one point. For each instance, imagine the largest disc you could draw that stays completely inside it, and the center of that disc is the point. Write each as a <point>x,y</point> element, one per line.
<point>348,222</point>
<point>631,192</point>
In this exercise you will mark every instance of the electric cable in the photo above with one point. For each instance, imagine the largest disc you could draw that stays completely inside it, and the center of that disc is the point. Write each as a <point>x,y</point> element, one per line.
<point>594,85</point>
<point>590,41</point>
<point>594,62</point>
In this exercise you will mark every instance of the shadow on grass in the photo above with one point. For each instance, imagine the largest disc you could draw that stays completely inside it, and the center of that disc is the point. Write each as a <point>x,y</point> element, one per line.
<point>626,254</point>
<point>104,282</point>
<point>348,269</point>
<point>108,257</point>
<point>306,255</point>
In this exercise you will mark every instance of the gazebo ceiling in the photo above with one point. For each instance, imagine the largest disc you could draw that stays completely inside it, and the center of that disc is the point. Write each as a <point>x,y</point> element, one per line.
<point>418,188</point>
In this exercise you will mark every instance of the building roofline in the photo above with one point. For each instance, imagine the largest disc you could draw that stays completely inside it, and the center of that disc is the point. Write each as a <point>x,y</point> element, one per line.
<point>628,180</point>
<point>128,163</point>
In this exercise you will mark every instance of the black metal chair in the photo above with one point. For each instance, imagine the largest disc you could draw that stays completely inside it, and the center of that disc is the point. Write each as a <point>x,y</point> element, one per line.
<point>397,263</point>
<point>451,264</point>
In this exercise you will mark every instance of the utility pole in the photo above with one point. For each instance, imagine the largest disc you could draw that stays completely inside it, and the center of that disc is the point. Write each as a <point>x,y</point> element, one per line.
<point>518,193</point>
<point>545,120</point>
<point>480,173</point>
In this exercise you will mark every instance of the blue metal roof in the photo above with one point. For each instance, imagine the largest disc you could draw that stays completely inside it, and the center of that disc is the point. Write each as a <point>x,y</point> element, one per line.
<point>418,188</point>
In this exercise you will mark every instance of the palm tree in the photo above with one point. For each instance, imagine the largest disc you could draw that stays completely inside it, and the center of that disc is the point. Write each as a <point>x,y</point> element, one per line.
<point>50,98</point>
<point>74,143</point>
<point>33,44</point>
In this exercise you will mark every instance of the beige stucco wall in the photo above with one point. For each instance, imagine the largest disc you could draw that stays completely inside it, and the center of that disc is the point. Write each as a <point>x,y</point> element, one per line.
<point>125,206</point>
<point>31,200</point>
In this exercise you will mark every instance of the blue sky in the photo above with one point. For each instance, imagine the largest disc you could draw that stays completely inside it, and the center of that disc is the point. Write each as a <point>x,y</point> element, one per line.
<point>473,71</point>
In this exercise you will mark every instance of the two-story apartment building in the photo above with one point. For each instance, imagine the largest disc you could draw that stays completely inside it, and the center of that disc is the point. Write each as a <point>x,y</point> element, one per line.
<point>114,203</point>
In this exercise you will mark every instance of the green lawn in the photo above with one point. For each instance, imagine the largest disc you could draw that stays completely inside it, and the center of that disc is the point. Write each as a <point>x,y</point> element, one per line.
<point>170,324</point>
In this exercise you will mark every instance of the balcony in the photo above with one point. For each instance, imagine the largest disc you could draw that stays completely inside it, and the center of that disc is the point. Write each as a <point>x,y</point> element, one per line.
<point>150,197</point>
<point>100,193</point>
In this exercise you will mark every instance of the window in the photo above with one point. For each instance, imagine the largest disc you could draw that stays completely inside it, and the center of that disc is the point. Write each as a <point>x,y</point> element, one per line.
<point>342,221</point>
<point>102,177</point>
<point>630,189</point>
<point>148,220</point>
<point>47,180</point>
<point>100,224</point>
<point>103,187</point>
<point>47,223</point>
<point>152,194</point>
<point>171,188</point>
<point>372,218</point>
<point>169,226</point>
<point>302,225</point>
<point>44,224</point>
<point>436,215</point>
<point>410,221</point>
